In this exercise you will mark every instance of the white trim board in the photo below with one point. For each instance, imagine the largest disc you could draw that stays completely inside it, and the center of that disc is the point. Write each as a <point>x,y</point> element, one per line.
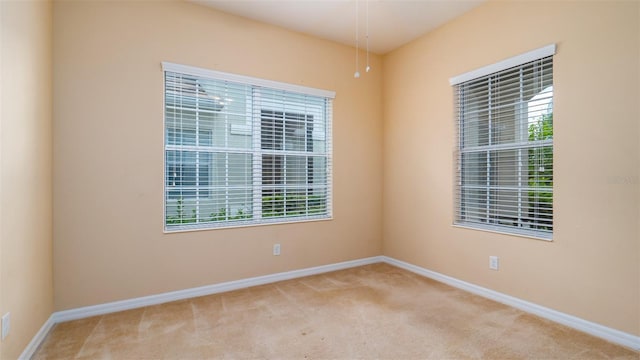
<point>601,331</point>
<point>122,305</point>
<point>243,79</point>
<point>505,64</point>
<point>612,335</point>
<point>87,311</point>
<point>33,345</point>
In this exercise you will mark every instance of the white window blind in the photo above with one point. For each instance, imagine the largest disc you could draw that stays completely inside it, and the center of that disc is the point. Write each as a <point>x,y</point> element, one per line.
<point>504,156</point>
<point>238,154</point>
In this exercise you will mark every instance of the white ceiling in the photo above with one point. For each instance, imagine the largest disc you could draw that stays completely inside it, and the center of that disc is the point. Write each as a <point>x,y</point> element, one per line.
<point>392,23</point>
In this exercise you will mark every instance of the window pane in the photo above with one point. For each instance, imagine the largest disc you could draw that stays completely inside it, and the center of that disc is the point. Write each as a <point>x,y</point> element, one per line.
<point>296,170</point>
<point>318,201</point>
<point>298,132</point>
<point>272,170</point>
<point>540,167</point>
<point>317,170</point>
<point>474,169</point>
<point>187,136</point>
<point>228,205</point>
<point>186,172</point>
<point>506,169</point>
<point>475,124</point>
<point>474,208</point>
<point>272,130</point>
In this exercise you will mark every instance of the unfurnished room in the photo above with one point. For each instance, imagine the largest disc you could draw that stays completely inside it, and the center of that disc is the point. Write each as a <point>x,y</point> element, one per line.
<point>319,179</point>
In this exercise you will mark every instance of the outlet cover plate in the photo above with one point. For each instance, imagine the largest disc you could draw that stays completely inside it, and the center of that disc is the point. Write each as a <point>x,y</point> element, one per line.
<point>494,263</point>
<point>6,325</point>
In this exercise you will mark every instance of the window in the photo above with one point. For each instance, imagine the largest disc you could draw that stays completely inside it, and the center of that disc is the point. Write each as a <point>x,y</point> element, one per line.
<point>504,155</point>
<point>243,151</point>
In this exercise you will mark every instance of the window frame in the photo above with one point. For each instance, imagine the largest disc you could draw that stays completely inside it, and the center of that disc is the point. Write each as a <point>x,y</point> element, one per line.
<point>253,128</point>
<point>461,204</point>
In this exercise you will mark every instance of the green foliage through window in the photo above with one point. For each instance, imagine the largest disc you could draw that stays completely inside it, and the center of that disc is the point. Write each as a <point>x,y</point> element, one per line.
<point>292,205</point>
<point>541,173</point>
<point>273,206</point>
<point>185,217</point>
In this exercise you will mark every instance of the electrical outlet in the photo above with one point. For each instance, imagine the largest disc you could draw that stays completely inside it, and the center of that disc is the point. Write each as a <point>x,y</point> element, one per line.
<point>6,325</point>
<point>494,262</point>
<point>276,249</point>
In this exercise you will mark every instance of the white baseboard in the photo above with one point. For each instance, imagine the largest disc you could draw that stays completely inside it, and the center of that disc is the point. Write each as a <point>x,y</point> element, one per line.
<point>607,333</point>
<point>122,305</point>
<point>38,339</point>
<point>613,335</point>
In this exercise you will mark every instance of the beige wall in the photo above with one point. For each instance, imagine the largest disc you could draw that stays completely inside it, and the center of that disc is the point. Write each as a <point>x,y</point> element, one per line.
<point>108,150</point>
<point>591,269</point>
<point>25,170</point>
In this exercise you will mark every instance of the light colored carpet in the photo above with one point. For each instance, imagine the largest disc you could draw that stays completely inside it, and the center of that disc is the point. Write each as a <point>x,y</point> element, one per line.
<point>370,312</point>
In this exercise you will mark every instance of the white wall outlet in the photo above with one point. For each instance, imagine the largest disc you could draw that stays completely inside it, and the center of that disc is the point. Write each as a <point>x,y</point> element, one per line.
<point>276,249</point>
<point>6,325</point>
<point>494,262</point>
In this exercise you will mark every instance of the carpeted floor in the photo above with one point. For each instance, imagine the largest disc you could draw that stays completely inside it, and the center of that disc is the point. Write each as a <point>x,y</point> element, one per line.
<point>370,312</point>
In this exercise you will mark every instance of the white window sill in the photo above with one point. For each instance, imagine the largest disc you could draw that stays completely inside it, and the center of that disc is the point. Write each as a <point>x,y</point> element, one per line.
<point>530,234</point>
<point>207,226</point>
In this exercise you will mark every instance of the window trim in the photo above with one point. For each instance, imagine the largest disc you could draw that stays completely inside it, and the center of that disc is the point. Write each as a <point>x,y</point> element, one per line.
<point>514,61</point>
<point>254,82</point>
<point>249,80</point>
<point>485,71</point>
